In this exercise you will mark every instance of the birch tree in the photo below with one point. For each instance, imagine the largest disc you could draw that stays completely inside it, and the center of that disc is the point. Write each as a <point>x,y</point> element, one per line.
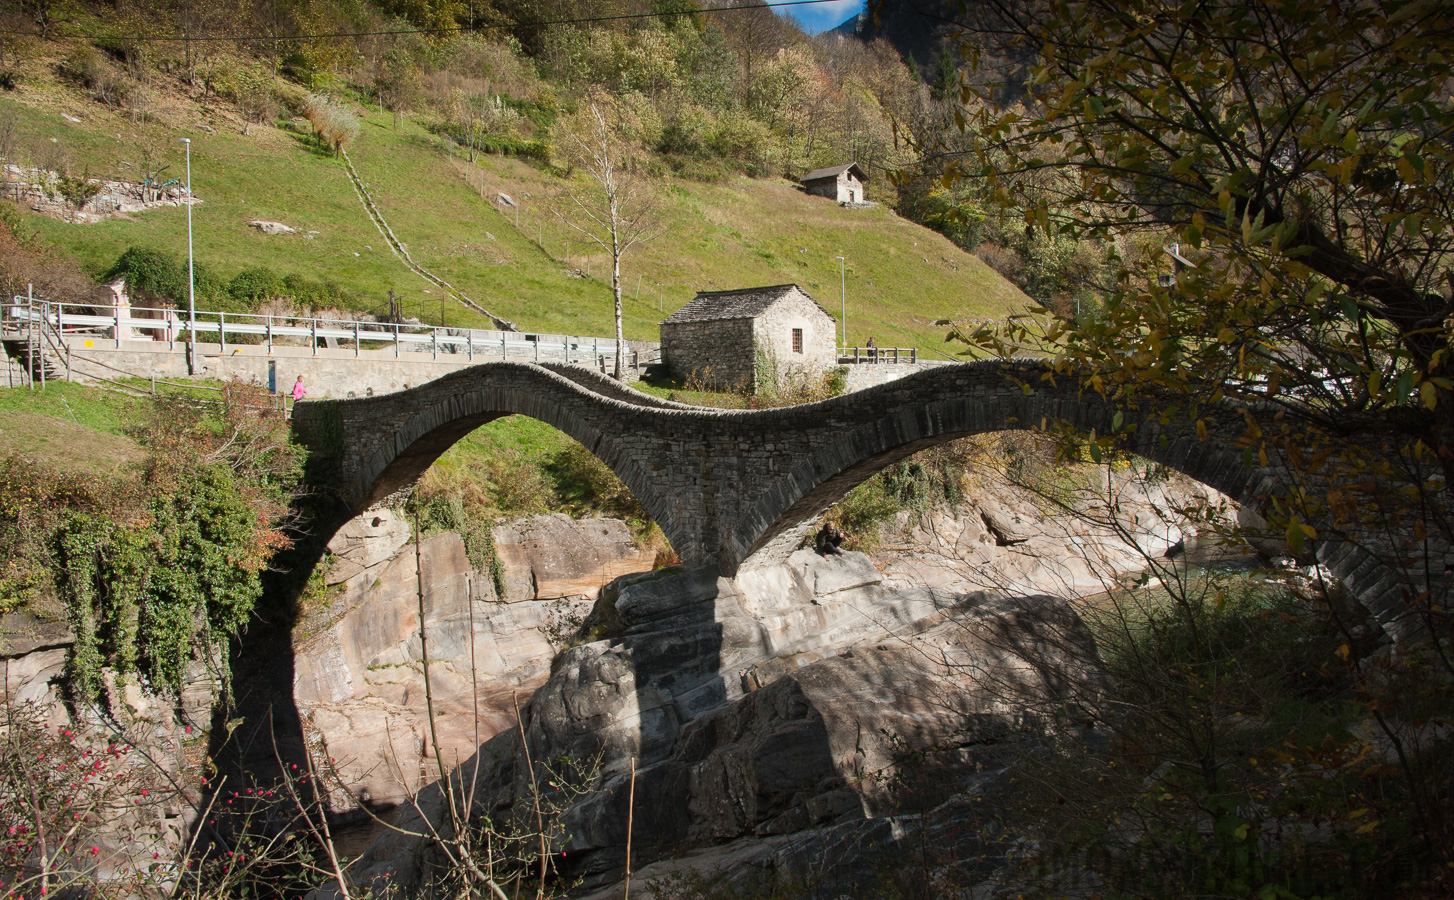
<point>616,209</point>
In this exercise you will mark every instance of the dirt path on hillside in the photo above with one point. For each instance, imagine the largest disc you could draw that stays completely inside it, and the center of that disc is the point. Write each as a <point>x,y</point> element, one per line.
<point>402,252</point>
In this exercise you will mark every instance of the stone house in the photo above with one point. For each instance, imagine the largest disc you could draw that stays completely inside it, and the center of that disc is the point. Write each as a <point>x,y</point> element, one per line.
<point>734,338</point>
<point>845,184</point>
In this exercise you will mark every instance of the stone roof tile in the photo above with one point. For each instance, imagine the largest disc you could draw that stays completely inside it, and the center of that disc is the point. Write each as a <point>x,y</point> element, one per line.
<point>744,303</point>
<point>834,172</point>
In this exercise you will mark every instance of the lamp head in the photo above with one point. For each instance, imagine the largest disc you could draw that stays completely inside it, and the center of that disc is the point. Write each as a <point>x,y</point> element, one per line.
<point>186,140</point>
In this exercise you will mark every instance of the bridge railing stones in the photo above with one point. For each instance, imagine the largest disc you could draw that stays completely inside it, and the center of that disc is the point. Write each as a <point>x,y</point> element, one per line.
<point>738,487</point>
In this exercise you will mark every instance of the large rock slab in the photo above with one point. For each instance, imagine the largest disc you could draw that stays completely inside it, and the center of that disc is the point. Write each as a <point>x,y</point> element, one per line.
<point>552,556</point>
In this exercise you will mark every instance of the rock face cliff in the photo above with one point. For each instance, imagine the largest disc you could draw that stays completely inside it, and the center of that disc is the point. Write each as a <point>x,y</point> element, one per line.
<point>359,683</point>
<point>765,714</point>
<point>795,714</point>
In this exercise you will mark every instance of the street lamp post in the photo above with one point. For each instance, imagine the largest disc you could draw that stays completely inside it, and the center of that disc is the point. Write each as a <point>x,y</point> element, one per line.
<point>843,297</point>
<point>191,278</point>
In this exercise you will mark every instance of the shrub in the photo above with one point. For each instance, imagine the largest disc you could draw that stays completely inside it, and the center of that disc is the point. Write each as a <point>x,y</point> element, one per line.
<point>155,570</point>
<point>153,275</point>
<point>255,285</point>
<point>334,125</point>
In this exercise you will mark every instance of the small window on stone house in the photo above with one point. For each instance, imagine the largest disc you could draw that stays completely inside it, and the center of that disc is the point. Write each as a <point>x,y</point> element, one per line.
<point>797,340</point>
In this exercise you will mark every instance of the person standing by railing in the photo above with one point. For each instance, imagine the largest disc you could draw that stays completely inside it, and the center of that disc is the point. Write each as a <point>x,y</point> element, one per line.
<point>872,350</point>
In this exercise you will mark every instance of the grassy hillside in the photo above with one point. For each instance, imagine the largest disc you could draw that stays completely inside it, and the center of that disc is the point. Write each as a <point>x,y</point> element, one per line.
<point>900,277</point>
<point>70,426</point>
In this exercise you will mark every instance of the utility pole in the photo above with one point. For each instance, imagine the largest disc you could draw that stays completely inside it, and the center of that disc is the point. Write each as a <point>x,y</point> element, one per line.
<point>843,296</point>
<point>191,276</point>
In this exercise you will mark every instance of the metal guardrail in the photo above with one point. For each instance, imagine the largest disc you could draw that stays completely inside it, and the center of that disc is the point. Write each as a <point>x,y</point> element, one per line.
<point>853,356</point>
<point>173,326</point>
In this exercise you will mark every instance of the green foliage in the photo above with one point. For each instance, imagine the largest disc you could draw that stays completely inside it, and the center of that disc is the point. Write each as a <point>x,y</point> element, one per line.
<point>153,275</point>
<point>540,112</point>
<point>862,513</point>
<point>255,285</point>
<point>79,189</point>
<point>585,485</point>
<point>157,571</point>
<point>498,144</point>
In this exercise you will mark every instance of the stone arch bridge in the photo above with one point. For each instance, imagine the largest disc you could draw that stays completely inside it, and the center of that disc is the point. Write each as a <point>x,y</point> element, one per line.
<point>738,487</point>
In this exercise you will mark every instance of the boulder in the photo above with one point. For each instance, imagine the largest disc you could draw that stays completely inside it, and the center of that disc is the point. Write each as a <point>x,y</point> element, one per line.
<point>365,541</point>
<point>1010,523</point>
<point>267,227</point>
<point>359,683</point>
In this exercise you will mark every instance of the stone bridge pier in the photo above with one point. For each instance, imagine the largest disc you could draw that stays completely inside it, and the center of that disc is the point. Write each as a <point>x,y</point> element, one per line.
<point>740,487</point>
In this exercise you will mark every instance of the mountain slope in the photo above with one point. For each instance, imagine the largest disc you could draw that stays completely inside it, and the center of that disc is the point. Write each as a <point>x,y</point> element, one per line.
<point>899,277</point>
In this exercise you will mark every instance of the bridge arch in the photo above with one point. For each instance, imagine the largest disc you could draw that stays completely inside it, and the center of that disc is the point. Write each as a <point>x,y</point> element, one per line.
<point>741,487</point>
<point>872,445</point>
<point>381,446</point>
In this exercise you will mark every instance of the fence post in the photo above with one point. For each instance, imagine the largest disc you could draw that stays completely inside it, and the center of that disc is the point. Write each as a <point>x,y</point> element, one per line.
<point>40,342</point>
<point>313,331</point>
<point>537,349</point>
<point>356,342</point>
<point>469,344</point>
<point>396,340</point>
<point>29,335</point>
<point>117,333</point>
<point>222,331</point>
<point>434,336</point>
<point>596,353</point>
<point>270,335</point>
<point>913,354</point>
<point>503,351</point>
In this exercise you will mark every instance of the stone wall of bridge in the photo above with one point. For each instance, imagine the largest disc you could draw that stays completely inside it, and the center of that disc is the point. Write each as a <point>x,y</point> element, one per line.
<point>732,488</point>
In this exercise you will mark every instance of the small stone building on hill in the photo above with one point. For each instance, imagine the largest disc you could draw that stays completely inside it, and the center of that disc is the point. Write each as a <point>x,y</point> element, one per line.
<point>732,338</point>
<point>847,183</point>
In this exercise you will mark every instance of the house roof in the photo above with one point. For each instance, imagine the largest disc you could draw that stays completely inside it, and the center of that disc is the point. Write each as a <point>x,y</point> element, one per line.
<point>835,171</point>
<point>744,303</point>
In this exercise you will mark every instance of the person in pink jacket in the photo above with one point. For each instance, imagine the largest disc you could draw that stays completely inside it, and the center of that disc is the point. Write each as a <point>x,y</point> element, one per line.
<point>299,392</point>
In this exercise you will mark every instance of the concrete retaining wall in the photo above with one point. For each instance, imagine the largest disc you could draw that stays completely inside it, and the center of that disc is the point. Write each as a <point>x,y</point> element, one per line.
<point>327,373</point>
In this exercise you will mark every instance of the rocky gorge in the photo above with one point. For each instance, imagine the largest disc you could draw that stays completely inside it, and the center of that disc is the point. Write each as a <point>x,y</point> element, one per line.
<point>765,725</point>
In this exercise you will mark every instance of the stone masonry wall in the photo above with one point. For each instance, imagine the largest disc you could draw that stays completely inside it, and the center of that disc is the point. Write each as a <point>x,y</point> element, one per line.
<point>866,375</point>
<point>773,333</point>
<point>724,346</point>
